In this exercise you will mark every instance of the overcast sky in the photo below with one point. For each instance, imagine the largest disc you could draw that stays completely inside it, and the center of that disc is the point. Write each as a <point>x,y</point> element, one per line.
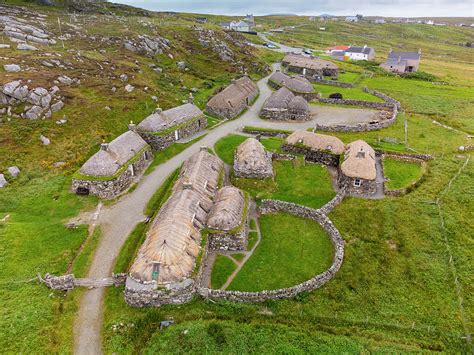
<point>408,8</point>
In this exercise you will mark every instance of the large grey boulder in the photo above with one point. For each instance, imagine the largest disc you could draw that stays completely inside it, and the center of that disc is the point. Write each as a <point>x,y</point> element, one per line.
<point>12,68</point>
<point>34,113</point>
<point>65,80</point>
<point>129,88</point>
<point>10,87</point>
<point>26,47</point>
<point>36,95</point>
<point>13,171</point>
<point>57,106</point>
<point>45,140</point>
<point>3,181</point>
<point>21,93</point>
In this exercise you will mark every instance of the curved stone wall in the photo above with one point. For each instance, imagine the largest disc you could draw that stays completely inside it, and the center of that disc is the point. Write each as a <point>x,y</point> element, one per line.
<point>319,216</point>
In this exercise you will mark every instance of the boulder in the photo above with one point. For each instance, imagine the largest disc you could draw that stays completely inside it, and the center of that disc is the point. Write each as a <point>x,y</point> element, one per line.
<point>45,140</point>
<point>11,68</point>
<point>13,171</point>
<point>4,46</point>
<point>34,113</point>
<point>181,65</point>
<point>36,95</point>
<point>57,106</point>
<point>129,88</point>
<point>3,99</point>
<point>21,93</point>
<point>65,80</point>
<point>54,90</point>
<point>3,181</point>
<point>10,87</point>
<point>123,77</point>
<point>26,47</point>
<point>46,100</point>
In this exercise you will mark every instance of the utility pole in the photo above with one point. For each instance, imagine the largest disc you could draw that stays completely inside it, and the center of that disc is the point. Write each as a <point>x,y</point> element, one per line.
<point>60,32</point>
<point>406,130</point>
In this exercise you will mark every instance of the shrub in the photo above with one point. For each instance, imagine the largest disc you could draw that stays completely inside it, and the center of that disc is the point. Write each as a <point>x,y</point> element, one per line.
<point>420,75</point>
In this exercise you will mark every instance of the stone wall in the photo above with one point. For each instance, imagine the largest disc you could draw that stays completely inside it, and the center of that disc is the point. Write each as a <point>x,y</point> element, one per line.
<point>228,241</point>
<point>270,206</point>
<point>409,158</point>
<point>161,142</point>
<point>328,207</point>
<point>307,96</point>
<point>159,297</point>
<point>232,112</point>
<point>340,84</point>
<point>361,103</point>
<point>267,133</point>
<point>312,156</point>
<point>280,156</point>
<point>312,73</point>
<point>285,114</point>
<point>384,97</point>
<point>367,187</point>
<point>111,188</point>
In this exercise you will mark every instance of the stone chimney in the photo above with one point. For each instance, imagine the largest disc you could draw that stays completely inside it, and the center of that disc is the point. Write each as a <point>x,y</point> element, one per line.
<point>191,98</point>
<point>132,126</point>
<point>104,146</point>
<point>187,185</point>
<point>203,148</point>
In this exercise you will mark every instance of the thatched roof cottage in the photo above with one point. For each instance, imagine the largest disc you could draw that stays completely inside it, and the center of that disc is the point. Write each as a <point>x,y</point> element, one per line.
<point>113,168</point>
<point>227,220</point>
<point>167,258</point>
<point>235,98</point>
<point>317,148</point>
<point>309,66</point>
<point>283,105</point>
<point>358,169</point>
<point>298,85</point>
<point>251,160</point>
<point>163,128</point>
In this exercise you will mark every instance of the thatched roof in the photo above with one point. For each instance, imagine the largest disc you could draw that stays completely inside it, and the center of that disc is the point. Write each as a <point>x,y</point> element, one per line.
<point>298,103</point>
<point>226,213</point>
<point>234,94</point>
<point>112,156</point>
<point>279,99</point>
<point>251,157</point>
<point>316,141</point>
<point>173,241</point>
<point>300,61</point>
<point>359,161</point>
<point>297,84</point>
<point>162,120</point>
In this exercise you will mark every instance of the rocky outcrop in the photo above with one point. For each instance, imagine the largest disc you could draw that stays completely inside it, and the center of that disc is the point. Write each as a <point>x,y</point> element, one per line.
<point>20,30</point>
<point>209,39</point>
<point>147,45</point>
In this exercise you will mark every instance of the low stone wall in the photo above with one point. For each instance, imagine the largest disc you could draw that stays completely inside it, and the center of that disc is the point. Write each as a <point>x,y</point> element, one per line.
<point>409,158</point>
<point>267,133</point>
<point>226,241</point>
<point>69,281</point>
<point>158,297</point>
<point>270,206</point>
<point>340,84</point>
<point>280,156</point>
<point>328,207</point>
<point>161,142</point>
<point>366,188</point>
<point>312,73</point>
<point>111,188</point>
<point>361,103</point>
<point>312,156</point>
<point>384,97</point>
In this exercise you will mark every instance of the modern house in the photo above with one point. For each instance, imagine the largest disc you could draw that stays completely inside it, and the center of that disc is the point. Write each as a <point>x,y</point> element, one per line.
<point>250,19</point>
<point>359,53</point>
<point>352,19</point>
<point>358,170</point>
<point>402,62</point>
<point>309,66</point>
<point>284,105</point>
<point>235,98</point>
<point>163,128</point>
<point>113,168</point>
<point>379,21</point>
<point>238,26</point>
<point>251,160</point>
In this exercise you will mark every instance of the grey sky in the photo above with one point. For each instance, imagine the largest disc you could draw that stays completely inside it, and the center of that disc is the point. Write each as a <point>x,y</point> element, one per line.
<point>413,8</point>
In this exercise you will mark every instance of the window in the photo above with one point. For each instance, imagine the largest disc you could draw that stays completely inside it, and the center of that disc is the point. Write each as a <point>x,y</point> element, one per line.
<point>357,182</point>
<point>156,271</point>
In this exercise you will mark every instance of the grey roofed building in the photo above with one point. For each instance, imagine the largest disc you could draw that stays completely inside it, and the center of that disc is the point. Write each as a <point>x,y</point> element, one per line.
<point>402,62</point>
<point>112,156</point>
<point>338,55</point>
<point>162,120</point>
<point>297,84</point>
<point>358,49</point>
<point>225,24</point>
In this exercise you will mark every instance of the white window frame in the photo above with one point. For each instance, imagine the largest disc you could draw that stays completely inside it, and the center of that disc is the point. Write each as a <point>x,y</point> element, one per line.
<point>357,182</point>
<point>176,135</point>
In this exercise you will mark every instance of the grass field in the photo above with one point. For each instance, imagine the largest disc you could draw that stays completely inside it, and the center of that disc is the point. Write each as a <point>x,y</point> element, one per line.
<point>292,250</point>
<point>400,174</point>
<point>222,269</point>
<point>355,93</point>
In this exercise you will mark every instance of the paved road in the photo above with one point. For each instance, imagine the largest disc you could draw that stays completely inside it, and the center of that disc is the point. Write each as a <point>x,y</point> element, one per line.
<point>282,48</point>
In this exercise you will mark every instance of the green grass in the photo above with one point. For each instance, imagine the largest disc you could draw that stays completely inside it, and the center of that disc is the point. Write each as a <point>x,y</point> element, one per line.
<point>238,256</point>
<point>252,224</point>
<point>295,181</point>
<point>252,239</point>
<point>348,77</point>
<point>161,195</point>
<point>222,269</point>
<point>400,174</point>
<point>347,93</point>
<point>84,259</point>
<point>292,250</point>
<point>130,248</point>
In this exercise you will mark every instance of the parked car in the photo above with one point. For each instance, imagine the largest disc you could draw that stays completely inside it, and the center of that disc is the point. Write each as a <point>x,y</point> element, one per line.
<point>307,51</point>
<point>269,45</point>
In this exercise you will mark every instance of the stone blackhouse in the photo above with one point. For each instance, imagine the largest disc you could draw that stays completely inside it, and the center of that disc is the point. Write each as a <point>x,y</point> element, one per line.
<point>251,160</point>
<point>283,105</point>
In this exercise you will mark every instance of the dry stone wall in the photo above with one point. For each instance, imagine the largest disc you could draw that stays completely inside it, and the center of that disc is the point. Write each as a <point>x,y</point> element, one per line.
<point>340,84</point>
<point>312,156</point>
<point>270,206</point>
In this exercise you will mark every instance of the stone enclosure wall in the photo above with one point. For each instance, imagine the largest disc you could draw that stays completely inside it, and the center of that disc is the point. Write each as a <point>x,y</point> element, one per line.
<point>340,84</point>
<point>312,73</point>
<point>307,96</point>
<point>367,187</point>
<point>270,206</point>
<point>409,158</point>
<point>312,156</point>
<point>160,142</point>
<point>159,297</point>
<point>111,188</point>
<point>228,241</point>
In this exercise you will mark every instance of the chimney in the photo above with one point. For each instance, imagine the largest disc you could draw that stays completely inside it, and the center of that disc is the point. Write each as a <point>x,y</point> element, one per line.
<point>203,148</point>
<point>191,98</point>
<point>419,51</point>
<point>132,126</point>
<point>187,185</point>
<point>104,146</point>
<point>158,110</point>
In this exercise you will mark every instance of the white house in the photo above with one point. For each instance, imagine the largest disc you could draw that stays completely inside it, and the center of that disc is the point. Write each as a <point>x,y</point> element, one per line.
<point>360,53</point>
<point>352,19</point>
